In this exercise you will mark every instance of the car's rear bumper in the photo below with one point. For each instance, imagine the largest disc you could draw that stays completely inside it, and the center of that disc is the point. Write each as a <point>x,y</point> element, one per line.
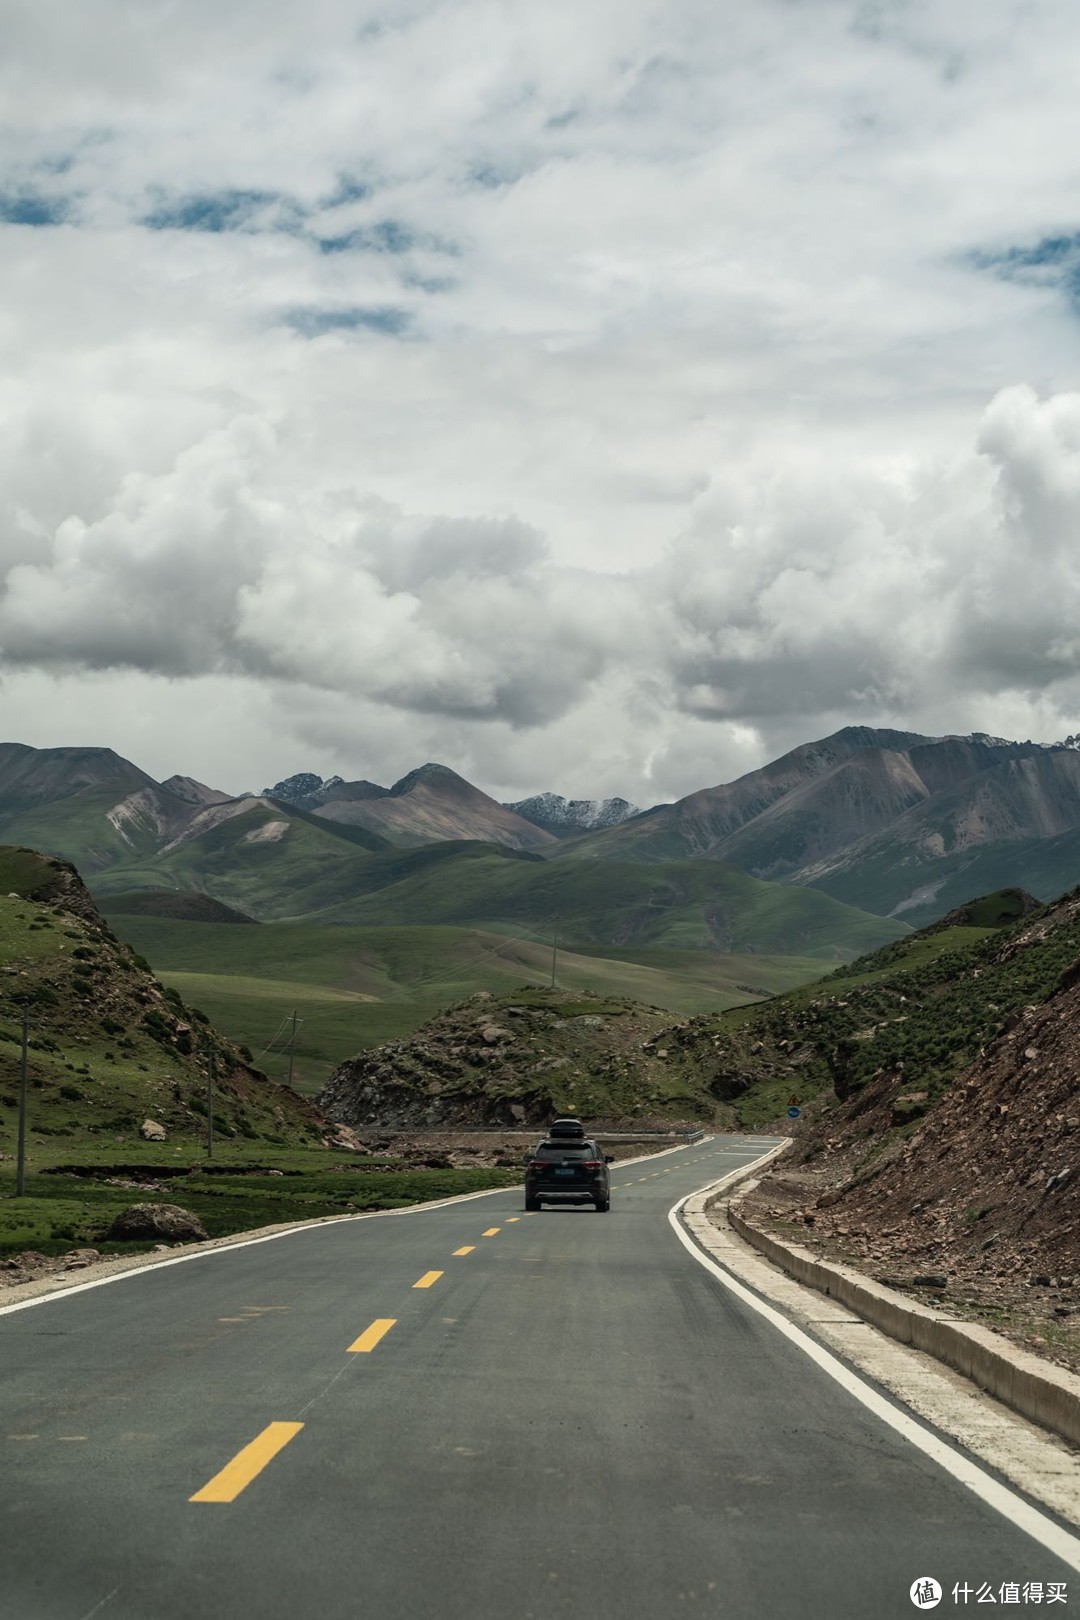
<point>580,1193</point>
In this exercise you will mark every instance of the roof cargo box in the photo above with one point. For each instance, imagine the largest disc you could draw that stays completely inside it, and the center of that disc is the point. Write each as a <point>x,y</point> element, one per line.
<point>563,1128</point>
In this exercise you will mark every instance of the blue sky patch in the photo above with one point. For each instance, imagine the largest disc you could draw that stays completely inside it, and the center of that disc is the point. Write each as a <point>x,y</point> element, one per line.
<point>391,321</point>
<point>1053,261</point>
<point>347,190</point>
<point>32,208</point>
<point>388,236</point>
<point>214,211</point>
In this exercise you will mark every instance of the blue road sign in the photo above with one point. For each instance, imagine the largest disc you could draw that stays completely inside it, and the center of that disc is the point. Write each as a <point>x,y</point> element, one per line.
<point>793,1113</point>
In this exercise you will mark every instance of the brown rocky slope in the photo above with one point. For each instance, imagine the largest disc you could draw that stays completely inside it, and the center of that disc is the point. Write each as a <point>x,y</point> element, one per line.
<point>522,1059</point>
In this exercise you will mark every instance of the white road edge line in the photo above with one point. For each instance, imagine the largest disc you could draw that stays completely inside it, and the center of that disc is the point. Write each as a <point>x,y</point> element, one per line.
<point>1037,1525</point>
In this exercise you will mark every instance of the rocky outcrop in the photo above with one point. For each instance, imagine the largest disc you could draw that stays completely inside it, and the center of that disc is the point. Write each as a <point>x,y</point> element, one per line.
<point>523,1059</point>
<point>565,817</point>
<point>160,1223</point>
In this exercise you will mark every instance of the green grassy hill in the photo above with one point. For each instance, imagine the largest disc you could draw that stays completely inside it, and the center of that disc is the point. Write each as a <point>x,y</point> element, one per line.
<point>1045,867</point>
<point>353,988</point>
<point>919,1010</point>
<point>684,905</point>
<point>109,1045</point>
<point>76,828</point>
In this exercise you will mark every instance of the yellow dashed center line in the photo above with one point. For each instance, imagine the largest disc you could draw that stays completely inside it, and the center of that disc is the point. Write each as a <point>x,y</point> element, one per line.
<point>371,1335</point>
<point>427,1279</point>
<point>510,1219</point>
<point>491,1231</point>
<point>226,1486</point>
<point>468,1249</point>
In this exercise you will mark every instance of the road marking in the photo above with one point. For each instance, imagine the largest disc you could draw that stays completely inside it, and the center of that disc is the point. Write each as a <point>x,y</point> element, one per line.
<point>468,1249</point>
<point>24,1437</point>
<point>491,1231</point>
<point>1011,1506</point>
<point>510,1219</point>
<point>227,1485</point>
<point>371,1335</point>
<point>428,1279</point>
<point>73,1437</point>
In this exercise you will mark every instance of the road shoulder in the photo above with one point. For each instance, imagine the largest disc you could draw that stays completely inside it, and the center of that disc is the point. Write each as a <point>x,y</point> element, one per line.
<point>1034,1460</point>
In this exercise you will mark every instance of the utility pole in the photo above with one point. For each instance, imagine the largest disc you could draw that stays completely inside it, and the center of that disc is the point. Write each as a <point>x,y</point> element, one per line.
<point>210,1104</point>
<point>554,947</point>
<point>292,1043</point>
<point>20,1168</point>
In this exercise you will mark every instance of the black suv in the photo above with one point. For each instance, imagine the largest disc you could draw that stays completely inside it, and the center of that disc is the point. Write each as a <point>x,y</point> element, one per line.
<point>568,1168</point>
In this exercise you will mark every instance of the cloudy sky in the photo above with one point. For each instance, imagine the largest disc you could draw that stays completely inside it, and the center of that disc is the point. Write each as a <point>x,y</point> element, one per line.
<point>599,397</point>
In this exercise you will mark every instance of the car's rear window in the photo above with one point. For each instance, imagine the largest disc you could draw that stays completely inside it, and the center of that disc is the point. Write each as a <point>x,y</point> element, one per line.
<point>565,1150</point>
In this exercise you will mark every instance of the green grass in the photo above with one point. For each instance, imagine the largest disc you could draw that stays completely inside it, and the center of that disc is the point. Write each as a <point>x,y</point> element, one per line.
<point>64,1211</point>
<point>331,1025</point>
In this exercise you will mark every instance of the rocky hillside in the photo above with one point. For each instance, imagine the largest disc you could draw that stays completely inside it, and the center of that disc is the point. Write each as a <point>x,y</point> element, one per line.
<point>919,1010</point>
<point>110,1048</point>
<point>889,821</point>
<point>430,805</point>
<point>523,1059</point>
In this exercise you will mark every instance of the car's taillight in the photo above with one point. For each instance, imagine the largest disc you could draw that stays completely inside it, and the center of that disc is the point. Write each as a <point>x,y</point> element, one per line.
<point>536,1164</point>
<point>594,1164</point>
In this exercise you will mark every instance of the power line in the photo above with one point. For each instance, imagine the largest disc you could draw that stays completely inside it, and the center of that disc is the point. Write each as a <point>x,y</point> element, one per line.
<point>272,1042</point>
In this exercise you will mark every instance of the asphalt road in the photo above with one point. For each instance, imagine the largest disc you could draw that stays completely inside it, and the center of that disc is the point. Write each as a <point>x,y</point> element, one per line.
<point>571,1417</point>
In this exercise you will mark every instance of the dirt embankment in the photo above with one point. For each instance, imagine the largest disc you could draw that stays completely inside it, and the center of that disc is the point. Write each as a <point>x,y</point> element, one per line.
<point>977,1205</point>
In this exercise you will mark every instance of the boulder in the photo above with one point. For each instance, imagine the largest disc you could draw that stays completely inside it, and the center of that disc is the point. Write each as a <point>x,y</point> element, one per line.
<point>151,1131</point>
<point>144,1222</point>
<point>76,1259</point>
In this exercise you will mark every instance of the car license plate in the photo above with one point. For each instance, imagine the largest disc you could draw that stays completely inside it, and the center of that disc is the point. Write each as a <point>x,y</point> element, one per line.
<point>567,1171</point>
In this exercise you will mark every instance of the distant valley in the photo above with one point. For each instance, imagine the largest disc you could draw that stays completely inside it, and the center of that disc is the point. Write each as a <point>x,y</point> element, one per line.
<point>835,849</point>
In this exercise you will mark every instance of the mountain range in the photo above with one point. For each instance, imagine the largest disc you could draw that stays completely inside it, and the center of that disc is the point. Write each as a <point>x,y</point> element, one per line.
<point>889,822</point>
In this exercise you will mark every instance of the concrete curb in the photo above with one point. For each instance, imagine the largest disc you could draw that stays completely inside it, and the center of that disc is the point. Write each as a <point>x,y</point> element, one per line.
<point>1048,1395</point>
